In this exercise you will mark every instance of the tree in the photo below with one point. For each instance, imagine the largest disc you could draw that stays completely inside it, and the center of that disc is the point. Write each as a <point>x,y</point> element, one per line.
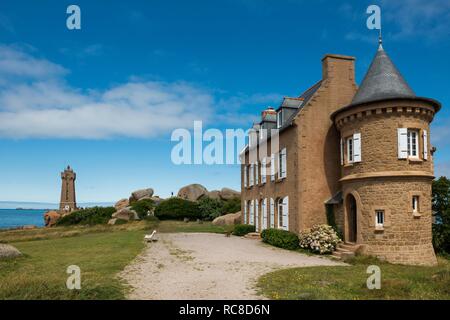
<point>441,213</point>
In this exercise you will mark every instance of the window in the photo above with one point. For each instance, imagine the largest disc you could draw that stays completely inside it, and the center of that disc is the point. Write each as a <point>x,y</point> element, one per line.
<point>263,170</point>
<point>256,173</point>
<point>415,204</point>
<point>280,212</point>
<point>283,213</point>
<point>379,218</point>
<point>413,143</point>
<point>350,150</point>
<point>282,164</point>
<point>280,118</point>
<point>251,174</point>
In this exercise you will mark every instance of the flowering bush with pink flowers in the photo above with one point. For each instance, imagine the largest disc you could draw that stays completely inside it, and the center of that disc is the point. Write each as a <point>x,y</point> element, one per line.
<point>320,239</point>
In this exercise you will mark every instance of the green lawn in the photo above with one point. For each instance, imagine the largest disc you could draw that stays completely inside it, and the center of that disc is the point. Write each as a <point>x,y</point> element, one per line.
<point>41,273</point>
<point>349,282</point>
<point>100,251</point>
<point>180,226</point>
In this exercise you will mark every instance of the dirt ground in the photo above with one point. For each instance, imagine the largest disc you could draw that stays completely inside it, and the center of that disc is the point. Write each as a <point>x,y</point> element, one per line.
<point>202,266</point>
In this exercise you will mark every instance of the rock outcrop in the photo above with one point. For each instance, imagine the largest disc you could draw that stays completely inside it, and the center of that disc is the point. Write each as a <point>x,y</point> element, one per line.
<point>140,194</point>
<point>125,214</point>
<point>215,194</point>
<point>228,194</point>
<point>8,251</point>
<point>51,217</point>
<point>192,192</point>
<point>121,204</point>
<point>228,219</point>
<point>157,200</point>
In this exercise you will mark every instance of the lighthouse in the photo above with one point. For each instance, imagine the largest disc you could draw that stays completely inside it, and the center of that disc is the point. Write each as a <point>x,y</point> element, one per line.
<point>68,201</point>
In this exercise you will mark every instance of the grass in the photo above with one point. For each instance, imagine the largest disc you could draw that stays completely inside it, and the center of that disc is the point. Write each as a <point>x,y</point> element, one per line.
<point>167,226</point>
<point>349,282</point>
<point>41,272</point>
<point>71,231</point>
<point>101,252</point>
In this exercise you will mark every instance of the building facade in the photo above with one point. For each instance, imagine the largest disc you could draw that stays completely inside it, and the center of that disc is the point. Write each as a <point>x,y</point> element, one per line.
<point>357,158</point>
<point>68,201</point>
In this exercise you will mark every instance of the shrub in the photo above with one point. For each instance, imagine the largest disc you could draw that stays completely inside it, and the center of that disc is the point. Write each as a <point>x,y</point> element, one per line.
<point>210,208</point>
<point>231,206</point>
<point>280,238</point>
<point>89,216</point>
<point>142,207</point>
<point>177,209</point>
<point>320,239</point>
<point>243,229</point>
<point>441,213</point>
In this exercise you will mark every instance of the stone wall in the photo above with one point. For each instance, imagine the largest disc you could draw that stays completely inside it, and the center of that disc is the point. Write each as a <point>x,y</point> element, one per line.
<point>382,181</point>
<point>406,238</point>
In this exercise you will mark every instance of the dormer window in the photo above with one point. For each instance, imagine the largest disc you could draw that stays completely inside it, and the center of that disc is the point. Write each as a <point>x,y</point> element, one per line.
<point>279,118</point>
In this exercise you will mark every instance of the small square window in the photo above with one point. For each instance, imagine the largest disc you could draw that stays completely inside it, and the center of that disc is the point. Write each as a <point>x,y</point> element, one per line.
<point>379,218</point>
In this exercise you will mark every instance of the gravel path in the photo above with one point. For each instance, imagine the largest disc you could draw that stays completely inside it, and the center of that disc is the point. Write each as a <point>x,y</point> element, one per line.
<point>198,266</point>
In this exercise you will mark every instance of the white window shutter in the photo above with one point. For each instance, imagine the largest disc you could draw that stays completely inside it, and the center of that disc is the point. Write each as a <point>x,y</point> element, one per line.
<point>283,172</point>
<point>257,215</point>
<point>425,145</point>
<point>252,212</point>
<point>272,167</point>
<point>263,170</point>
<point>245,211</point>
<point>264,214</point>
<point>286,213</point>
<point>245,177</point>
<point>256,173</point>
<point>342,152</point>
<point>402,143</point>
<point>357,147</point>
<point>251,174</point>
<point>272,213</point>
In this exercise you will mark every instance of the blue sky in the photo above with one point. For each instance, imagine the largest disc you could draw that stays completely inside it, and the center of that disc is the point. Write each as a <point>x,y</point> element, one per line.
<point>106,98</point>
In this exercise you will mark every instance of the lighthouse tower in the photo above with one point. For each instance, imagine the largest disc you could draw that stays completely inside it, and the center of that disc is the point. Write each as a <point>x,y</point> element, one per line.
<point>68,201</point>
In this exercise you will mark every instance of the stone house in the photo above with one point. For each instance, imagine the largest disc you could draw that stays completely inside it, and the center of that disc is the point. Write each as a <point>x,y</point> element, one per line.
<point>357,158</point>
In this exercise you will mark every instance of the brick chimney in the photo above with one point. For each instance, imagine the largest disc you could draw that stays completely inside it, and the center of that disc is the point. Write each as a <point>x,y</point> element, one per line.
<point>338,67</point>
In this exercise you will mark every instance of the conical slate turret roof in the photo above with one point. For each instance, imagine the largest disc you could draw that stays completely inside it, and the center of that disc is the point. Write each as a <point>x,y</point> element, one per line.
<point>382,81</point>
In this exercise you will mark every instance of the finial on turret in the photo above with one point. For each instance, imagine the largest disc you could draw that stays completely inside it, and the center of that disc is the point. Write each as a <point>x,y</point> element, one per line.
<point>380,41</point>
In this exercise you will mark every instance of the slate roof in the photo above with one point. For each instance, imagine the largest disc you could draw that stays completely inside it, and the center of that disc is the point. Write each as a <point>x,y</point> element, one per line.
<point>306,96</point>
<point>382,81</point>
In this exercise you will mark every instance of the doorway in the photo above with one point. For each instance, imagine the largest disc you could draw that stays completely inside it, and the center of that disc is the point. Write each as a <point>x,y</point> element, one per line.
<point>352,210</point>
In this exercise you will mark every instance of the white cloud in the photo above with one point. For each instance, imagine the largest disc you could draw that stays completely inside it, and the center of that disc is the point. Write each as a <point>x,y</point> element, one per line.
<point>17,63</point>
<point>425,19</point>
<point>36,102</point>
<point>130,110</point>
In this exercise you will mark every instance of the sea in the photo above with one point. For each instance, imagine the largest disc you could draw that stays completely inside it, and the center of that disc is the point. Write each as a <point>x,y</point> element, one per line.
<point>14,218</point>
